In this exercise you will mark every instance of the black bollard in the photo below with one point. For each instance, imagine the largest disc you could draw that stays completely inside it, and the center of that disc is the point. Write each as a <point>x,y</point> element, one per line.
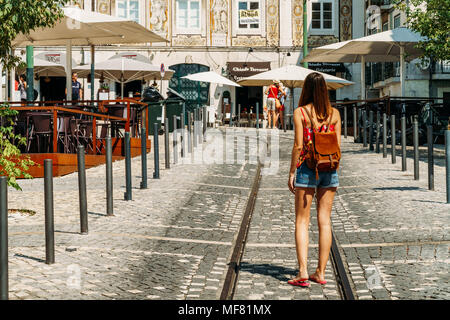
<point>182,137</point>
<point>384,135</point>
<point>377,134</point>
<point>189,133</point>
<point>359,134</point>
<point>447,161</point>
<point>393,155</point>
<point>128,193</point>
<point>231,113</point>
<point>166,143</point>
<point>239,115</point>
<point>82,190</point>
<point>371,130</point>
<point>195,129</point>
<point>345,122</point>
<point>156,150</point>
<point>403,123</point>
<point>3,238</point>
<point>355,125</point>
<point>175,138</point>
<point>49,212</point>
<point>143,158</point>
<point>416,147</point>
<point>364,117</point>
<point>430,157</point>
<point>109,178</point>
<point>257,115</point>
<point>205,122</point>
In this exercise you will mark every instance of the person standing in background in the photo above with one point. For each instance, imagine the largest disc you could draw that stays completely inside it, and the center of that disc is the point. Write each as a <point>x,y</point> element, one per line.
<point>77,90</point>
<point>22,88</point>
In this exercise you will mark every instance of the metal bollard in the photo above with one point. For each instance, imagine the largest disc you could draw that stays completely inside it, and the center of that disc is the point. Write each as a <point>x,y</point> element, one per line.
<point>49,213</point>
<point>182,144</point>
<point>205,122</point>
<point>355,125</point>
<point>195,129</point>
<point>189,133</point>
<point>403,123</point>
<point>345,122</point>
<point>166,143</point>
<point>109,178</point>
<point>175,138</point>
<point>231,114</point>
<point>364,117</point>
<point>416,147</point>
<point>377,134</point>
<point>384,135</point>
<point>143,158</point>
<point>239,115</point>
<point>156,150</point>
<point>447,161</point>
<point>394,160</point>
<point>430,157</point>
<point>359,133</point>
<point>371,130</point>
<point>3,238</point>
<point>257,115</point>
<point>82,190</point>
<point>128,195</point>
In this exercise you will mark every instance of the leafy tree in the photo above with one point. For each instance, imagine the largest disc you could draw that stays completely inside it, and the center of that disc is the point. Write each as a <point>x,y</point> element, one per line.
<point>12,163</point>
<point>430,18</point>
<point>18,16</point>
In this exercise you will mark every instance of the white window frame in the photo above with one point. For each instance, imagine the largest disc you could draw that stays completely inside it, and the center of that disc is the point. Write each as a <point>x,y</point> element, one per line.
<point>399,16</point>
<point>141,10</point>
<point>249,31</point>
<point>188,30</point>
<point>334,18</point>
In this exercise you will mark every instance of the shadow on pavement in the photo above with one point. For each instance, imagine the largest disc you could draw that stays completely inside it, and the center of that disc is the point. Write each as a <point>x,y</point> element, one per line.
<point>276,272</point>
<point>399,188</point>
<point>28,257</point>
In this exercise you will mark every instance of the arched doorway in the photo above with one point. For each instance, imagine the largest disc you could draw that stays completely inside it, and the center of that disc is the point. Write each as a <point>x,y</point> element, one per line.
<point>196,93</point>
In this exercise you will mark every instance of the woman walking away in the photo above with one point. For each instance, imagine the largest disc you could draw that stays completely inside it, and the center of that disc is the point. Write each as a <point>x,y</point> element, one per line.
<point>317,127</point>
<point>272,94</point>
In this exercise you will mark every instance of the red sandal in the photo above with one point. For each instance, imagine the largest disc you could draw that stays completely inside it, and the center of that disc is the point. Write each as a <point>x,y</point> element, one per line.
<point>317,281</point>
<point>299,282</point>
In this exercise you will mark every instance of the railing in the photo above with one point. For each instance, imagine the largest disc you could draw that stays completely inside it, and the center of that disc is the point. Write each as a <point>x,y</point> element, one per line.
<point>80,109</point>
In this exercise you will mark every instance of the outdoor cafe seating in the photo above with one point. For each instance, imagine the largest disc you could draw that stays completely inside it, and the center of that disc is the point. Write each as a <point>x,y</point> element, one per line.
<point>59,127</point>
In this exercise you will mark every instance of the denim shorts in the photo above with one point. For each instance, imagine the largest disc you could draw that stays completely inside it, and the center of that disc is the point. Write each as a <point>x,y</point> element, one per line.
<point>306,178</point>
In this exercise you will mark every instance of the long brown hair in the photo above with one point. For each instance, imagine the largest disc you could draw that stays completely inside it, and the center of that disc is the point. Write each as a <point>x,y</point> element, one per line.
<point>315,92</point>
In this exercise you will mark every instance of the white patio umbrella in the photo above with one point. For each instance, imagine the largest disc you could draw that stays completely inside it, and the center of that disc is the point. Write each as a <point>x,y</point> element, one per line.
<point>211,77</point>
<point>86,28</point>
<point>124,70</point>
<point>387,46</point>
<point>291,76</point>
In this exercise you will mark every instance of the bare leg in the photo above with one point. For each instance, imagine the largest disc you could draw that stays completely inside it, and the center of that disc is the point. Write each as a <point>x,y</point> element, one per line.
<point>282,119</point>
<point>303,200</point>
<point>269,118</point>
<point>325,198</point>
<point>275,122</point>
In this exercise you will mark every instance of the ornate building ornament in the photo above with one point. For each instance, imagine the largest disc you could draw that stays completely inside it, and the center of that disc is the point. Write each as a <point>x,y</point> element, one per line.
<point>345,20</point>
<point>297,23</point>
<point>186,41</point>
<point>273,34</point>
<point>159,16</point>
<point>249,41</point>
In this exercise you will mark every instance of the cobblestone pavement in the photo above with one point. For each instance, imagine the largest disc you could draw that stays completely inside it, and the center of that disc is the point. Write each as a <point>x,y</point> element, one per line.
<point>392,231</point>
<point>173,240</point>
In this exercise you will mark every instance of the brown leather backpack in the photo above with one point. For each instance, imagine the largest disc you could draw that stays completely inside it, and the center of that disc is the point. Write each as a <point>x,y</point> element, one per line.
<point>325,153</point>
